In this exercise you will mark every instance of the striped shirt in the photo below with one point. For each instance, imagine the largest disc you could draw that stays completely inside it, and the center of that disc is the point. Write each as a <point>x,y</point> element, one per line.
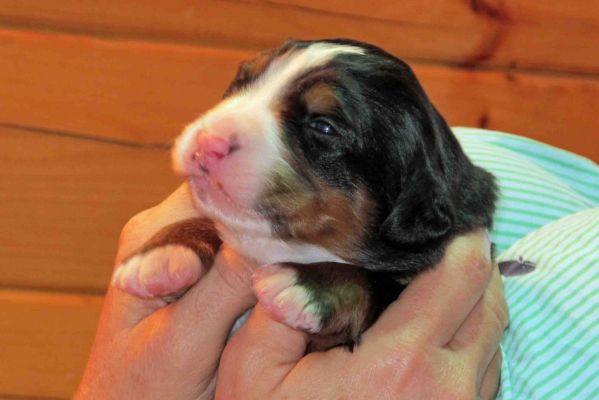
<point>547,214</point>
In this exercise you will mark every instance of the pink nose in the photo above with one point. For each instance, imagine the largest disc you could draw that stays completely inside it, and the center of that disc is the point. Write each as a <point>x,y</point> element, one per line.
<point>210,151</point>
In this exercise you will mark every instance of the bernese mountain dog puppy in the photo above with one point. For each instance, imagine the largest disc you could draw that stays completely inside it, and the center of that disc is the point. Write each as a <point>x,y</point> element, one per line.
<point>327,165</point>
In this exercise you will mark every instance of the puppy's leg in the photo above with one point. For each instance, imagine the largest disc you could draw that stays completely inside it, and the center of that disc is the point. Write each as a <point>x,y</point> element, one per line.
<point>333,302</point>
<point>171,261</point>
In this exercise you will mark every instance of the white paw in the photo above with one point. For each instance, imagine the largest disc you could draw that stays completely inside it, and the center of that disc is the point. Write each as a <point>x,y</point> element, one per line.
<point>159,272</point>
<point>277,290</point>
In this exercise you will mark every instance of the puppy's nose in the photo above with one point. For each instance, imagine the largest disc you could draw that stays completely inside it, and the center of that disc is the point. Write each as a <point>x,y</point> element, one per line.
<point>211,149</point>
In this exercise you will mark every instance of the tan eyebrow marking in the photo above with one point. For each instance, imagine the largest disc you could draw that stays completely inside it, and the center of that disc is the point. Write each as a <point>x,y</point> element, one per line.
<point>320,99</point>
<point>323,215</point>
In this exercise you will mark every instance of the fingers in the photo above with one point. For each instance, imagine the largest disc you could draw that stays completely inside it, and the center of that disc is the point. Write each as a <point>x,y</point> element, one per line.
<point>479,336</point>
<point>259,357</point>
<point>184,338</point>
<point>214,303</point>
<point>223,293</point>
<point>490,381</point>
<point>139,229</point>
<point>191,332</point>
<point>437,302</point>
<point>122,310</point>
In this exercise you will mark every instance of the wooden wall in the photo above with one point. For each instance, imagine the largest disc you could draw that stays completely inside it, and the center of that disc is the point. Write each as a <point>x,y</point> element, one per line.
<point>92,92</point>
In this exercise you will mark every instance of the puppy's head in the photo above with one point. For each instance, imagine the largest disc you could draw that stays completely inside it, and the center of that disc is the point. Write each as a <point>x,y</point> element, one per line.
<point>332,143</point>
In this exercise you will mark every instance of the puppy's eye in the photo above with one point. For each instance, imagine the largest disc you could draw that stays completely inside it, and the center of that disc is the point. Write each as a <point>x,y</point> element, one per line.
<point>322,127</point>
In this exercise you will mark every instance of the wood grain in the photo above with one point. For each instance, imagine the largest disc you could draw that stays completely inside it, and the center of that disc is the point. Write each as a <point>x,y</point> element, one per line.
<point>90,90</point>
<point>63,202</point>
<point>551,35</point>
<point>137,91</point>
<point>44,342</point>
<point>554,110</point>
<point>146,92</point>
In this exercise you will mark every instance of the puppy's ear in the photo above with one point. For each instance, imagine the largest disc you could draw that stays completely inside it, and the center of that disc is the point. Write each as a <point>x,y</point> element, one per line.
<point>424,211</point>
<point>422,214</point>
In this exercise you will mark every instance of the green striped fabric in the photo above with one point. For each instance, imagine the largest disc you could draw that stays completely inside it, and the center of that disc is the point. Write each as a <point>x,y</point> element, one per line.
<point>538,183</point>
<point>551,348</point>
<point>547,214</point>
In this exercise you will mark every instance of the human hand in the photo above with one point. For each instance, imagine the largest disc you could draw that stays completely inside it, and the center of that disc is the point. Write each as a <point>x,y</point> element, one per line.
<point>439,340</point>
<point>148,349</point>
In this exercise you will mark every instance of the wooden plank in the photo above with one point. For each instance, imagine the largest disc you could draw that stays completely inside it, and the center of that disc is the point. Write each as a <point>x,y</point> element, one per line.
<point>554,35</point>
<point>142,91</point>
<point>516,33</point>
<point>454,13</point>
<point>4,396</point>
<point>128,90</point>
<point>554,110</point>
<point>233,24</point>
<point>63,202</point>
<point>45,339</point>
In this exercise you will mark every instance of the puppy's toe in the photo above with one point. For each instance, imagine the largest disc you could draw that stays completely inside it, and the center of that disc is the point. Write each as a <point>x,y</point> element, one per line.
<point>164,271</point>
<point>287,301</point>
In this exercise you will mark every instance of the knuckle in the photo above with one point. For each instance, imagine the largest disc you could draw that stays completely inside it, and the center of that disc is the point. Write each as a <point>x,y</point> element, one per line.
<point>499,311</point>
<point>460,394</point>
<point>502,315</point>
<point>406,366</point>
<point>462,387</point>
<point>473,258</point>
<point>473,250</point>
<point>479,268</point>
<point>413,369</point>
<point>399,350</point>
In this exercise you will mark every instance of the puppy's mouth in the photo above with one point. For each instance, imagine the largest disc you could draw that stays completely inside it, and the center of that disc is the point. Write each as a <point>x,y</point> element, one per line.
<point>215,199</point>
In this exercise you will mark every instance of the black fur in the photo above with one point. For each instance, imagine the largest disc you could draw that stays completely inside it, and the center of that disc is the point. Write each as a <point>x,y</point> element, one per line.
<point>390,139</point>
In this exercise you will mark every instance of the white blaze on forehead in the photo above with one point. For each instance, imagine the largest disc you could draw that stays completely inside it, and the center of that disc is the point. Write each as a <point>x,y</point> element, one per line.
<point>254,104</point>
<point>257,102</point>
<point>284,69</point>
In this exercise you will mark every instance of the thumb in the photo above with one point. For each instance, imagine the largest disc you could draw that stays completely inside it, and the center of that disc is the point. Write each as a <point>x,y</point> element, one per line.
<point>214,303</point>
<point>122,310</point>
<point>259,357</point>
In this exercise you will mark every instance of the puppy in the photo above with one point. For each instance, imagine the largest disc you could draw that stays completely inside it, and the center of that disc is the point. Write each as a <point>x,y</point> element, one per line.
<point>325,163</point>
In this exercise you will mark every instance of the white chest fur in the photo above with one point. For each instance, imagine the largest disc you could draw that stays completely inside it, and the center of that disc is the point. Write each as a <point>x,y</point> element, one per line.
<point>269,250</point>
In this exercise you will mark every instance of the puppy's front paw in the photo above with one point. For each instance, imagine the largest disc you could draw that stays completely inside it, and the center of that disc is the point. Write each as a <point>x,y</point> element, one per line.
<point>163,271</point>
<point>331,301</point>
<point>277,289</point>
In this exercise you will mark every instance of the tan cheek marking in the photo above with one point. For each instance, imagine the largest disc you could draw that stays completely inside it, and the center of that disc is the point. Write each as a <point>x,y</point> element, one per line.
<point>324,216</point>
<point>335,221</point>
<point>320,99</point>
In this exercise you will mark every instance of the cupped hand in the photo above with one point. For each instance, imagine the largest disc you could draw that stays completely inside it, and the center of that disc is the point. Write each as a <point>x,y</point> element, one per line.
<point>148,349</point>
<point>439,340</point>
